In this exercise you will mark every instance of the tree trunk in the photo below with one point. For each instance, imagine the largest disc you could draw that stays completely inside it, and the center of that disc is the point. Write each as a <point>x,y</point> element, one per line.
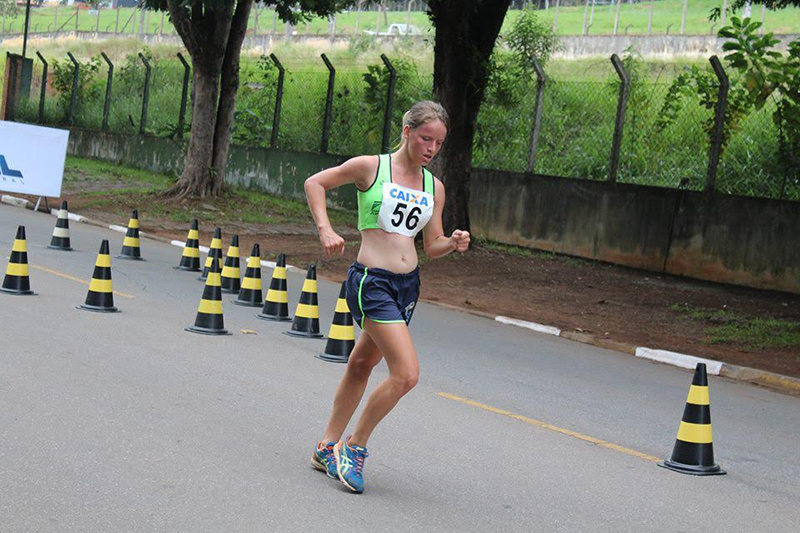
<point>229,86</point>
<point>462,49</point>
<point>197,178</point>
<point>206,36</point>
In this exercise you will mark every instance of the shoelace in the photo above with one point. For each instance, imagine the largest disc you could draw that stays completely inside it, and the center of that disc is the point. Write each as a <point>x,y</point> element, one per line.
<point>360,456</point>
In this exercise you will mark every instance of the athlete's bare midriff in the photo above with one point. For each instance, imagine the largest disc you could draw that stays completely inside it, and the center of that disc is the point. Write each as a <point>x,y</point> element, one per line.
<point>389,251</point>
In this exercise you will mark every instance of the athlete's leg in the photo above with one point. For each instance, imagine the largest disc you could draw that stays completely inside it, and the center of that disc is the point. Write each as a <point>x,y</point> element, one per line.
<point>394,342</point>
<point>363,358</point>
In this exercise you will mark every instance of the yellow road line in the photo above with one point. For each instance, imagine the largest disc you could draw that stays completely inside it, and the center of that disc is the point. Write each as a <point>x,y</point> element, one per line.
<point>73,278</point>
<point>545,425</point>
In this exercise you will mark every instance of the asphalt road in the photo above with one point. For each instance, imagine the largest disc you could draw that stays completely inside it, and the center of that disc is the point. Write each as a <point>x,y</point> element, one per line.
<point>125,422</point>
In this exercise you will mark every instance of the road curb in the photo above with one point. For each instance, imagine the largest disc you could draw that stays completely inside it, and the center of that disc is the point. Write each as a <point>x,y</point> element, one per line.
<point>779,382</point>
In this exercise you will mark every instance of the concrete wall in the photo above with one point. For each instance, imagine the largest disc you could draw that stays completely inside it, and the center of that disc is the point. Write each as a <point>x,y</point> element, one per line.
<point>650,46</point>
<point>730,239</point>
<point>280,172</point>
<point>573,46</point>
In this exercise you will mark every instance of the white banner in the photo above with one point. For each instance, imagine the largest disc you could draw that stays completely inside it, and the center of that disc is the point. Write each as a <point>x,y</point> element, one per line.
<point>32,159</point>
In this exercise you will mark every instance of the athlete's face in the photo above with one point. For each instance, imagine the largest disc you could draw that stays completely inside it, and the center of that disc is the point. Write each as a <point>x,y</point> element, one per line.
<point>425,141</point>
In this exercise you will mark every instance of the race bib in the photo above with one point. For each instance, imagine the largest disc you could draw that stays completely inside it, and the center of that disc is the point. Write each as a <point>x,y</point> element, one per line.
<point>403,210</point>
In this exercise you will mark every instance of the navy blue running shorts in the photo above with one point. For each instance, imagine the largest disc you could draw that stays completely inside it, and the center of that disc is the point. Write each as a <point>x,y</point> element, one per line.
<point>380,295</point>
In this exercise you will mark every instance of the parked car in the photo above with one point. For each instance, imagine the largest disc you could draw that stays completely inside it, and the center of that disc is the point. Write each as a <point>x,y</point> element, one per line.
<point>396,29</point>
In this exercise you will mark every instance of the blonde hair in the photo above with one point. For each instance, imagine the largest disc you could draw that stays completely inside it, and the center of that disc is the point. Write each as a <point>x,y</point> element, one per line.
<point>422,112</point>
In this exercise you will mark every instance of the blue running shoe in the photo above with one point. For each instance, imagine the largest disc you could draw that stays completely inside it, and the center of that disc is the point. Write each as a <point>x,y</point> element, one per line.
<point>323,459</point>
<point>350,465</point>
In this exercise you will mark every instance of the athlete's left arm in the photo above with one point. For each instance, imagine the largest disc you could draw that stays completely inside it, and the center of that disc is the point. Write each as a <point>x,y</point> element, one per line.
<point>436,244</point>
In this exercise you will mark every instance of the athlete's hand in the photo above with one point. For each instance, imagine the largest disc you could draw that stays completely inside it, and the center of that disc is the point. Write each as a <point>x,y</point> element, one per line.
<point>331,241</point>
<point>461,240</point>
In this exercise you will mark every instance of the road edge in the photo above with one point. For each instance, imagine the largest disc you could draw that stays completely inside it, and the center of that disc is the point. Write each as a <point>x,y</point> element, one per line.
<point>771,380</point>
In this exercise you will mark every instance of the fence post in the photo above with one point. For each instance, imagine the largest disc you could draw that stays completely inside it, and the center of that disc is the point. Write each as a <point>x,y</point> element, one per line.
<point>107,103</point>
<point>97,24</point>
<point>74,96</point>
<point>387,117</point>
<point>44,88</point>
<point>116,24</point>
<point>326,123</point>
<point>55,22</point>
<point>719,122</point>
<point>184,95</point>
<point>537,115</point>
<point>683,16</point>
<point>146,96</point>
<point>622,104</point>
<point>276,117</point>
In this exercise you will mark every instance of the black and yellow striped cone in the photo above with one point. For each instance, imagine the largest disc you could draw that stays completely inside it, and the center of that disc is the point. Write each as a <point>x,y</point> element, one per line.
<point>209,314</point>
<point>100,297</point>
<point>215,250</point>
<point>231,275</point>
<point>190,258</point>
<point>694,451</point>
<point>276,306</point>
<point>60,240</point>
<point>342,335</point>
<point>251,294</point>
<point>17,280</point>
<point>130,246</point>
<point>306,316</point>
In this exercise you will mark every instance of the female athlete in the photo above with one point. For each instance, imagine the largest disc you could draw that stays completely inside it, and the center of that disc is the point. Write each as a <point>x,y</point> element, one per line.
<point>397,198</point>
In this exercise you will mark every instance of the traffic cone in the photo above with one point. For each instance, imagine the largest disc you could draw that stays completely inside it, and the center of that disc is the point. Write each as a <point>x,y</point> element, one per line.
<point>276,306</point>
<point>231,275</point>
<point>209,314</point>
<point>60,240</point>
<point>251,294</point>
<point>130,246</point>
<point>306,316</point>
<point>100,297</point>
<point>694,451</point>
<point>17,280</point>
<point>215,250</point>
<point>342,335</point>
<point>190,258</point>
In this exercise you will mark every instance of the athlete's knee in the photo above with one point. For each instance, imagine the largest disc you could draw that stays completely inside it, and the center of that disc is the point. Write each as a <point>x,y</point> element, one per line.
<point>405,381</point>
<point>361,367</point>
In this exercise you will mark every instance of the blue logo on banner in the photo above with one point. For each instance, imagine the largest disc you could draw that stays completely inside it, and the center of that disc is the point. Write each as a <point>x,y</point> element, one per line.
<point>7,172</point>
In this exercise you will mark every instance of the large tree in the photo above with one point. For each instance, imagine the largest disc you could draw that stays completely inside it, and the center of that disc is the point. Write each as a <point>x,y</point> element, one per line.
<point>213,32</point>
<point>466,31</point>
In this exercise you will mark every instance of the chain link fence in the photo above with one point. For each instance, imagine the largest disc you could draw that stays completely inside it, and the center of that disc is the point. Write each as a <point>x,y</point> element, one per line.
<point>570,132</point>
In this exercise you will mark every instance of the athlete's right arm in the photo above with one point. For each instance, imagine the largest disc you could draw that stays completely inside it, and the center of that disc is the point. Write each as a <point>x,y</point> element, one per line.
<point>358,170</point>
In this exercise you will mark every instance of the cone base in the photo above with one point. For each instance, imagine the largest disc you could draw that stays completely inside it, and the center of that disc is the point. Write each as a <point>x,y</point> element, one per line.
<point>274,318</point>
<point>207,331</point>
<point>303,334</point>
<point>68,249</point>
<point>695,470</point>
<point>130,257</point>
<point>98,309</point>
<point>186,269</point>
<point>17,292</point>
<point>245,303</point>
<point>328,358</point>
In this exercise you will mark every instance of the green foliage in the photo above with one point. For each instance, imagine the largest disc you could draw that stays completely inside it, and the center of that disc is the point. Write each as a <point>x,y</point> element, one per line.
<point>702,86</point>
<point>252,120</point>
<point>406,91</point>
<point>767,74</point>
<point>531,39</point>
<point>9,8</point>
<point>88,88</point>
